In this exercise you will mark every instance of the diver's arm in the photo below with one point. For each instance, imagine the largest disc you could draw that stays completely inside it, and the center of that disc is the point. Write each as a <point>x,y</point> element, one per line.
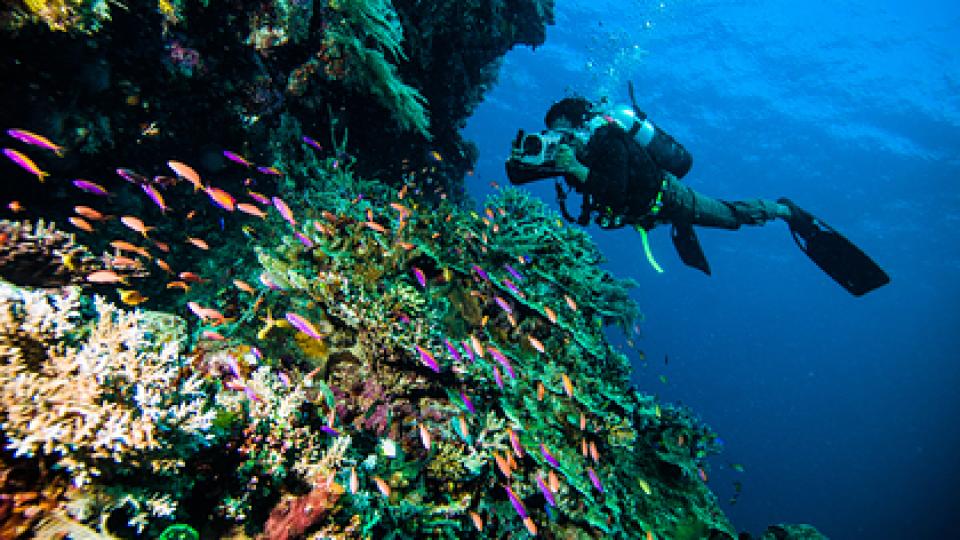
<point>567,162</point>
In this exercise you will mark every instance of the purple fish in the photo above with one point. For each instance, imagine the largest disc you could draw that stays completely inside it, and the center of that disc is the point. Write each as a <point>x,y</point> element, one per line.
<point>468,403</point>
<point>268,282</point>
<point>513,272</point>
<point>91,187</point>
<point>303,325</point>
<point>517,505</point>
<point>36,140</point>
<point>304,239</point>
<point>269,170</point>
<point>548,456</point>
<point>133,177</point>
<point>259,198</point>
<point>234,367</point>
<point>546,491</point>
<point>515,443</point>
<point>236,158</point>
<point>480,272</point>
<point>312,142</point>
<point>284,210</point>
<point>155,196</point>
<point>256,353</point>
<point>513,288</point>
<point>284,379</point>
<point>421,277</point>
<point>497,378</point>
<point>503,304</point>
<point>251,394</point>
<point>427,358</point>
<point>499,357</point>
<point>330,431</point>
<point>595,479</point>
<point>452,350</point>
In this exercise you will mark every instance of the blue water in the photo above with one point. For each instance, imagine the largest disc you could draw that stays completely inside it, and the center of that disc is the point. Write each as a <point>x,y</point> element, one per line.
<point>844,411</point>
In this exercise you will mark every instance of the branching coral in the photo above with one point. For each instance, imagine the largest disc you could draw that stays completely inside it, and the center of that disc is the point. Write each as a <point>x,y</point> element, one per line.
<point>40,255</point>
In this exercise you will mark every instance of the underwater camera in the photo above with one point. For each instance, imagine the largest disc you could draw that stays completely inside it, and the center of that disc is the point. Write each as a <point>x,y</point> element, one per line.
<point>533,155</point>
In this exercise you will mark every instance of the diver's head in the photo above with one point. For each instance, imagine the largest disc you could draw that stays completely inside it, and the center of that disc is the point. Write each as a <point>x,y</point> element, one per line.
<point>570,112</point>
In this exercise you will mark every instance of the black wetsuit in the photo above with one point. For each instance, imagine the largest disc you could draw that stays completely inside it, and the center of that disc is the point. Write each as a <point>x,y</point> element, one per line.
<point>625,180</point>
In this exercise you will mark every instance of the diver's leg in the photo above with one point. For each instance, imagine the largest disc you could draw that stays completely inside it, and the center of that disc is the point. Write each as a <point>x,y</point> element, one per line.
<point>682,204</point>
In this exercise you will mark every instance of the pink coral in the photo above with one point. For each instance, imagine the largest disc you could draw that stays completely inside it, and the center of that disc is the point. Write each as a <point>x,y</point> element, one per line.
<point>292,517</point>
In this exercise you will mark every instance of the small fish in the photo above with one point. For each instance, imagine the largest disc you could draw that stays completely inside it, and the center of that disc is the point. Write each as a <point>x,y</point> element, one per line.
<point>312,142</point>
<point>452,350</point>
<point>464,429</point>
<point>205,313</point>
<point>407,246</point>
<point>303,325</point>
<point>330,431</point>
<point>702,474</point>
<point>515,443</point>
<point>570,302</point>
<point>502,465</point>
<point>221,198</point>
<point>436,155</point>
<point>185,171</point>
<point>80,223</point>
<point>546,491</point>
<point>513,288</point>
<point>102,277</point>
<point>480,272</point>
<point>553,480</point>
<point>497,378</point>
<point>468,349</point>
<point>26,164</point>
<point>182,285</point>
<point>132,176</point>
<point>504,305</point>
<point>192,277</point>
<point>548,456</point>
<point>467,403</point>
<point>237,158</point>
<point>517,505</point>
<point>427,358</point>
<point>594,479</point>
<point>354,481</point>
<point>284,210</point>
<point>584,449</point>
<point>212,335</point>
<point>477,346</point>
<point>541,390</point>
<point>244,286</point>
<point>594,453</point>
<point>91,187</point>
<point>421,277</point>
<point>304,239</point>
<point>120,261</point>
<point>530,525</point>
<point>136,224</point>
<point>259,197</point>
<point>382,486</point>
<point>131,297</point>
<point>567,385</point>
<point>272,171</point>
<point>15,207</point>
<point>155,196</point>
<point>123,245</point>
<point>202,244</point>
<point>477,521</point>
<point>645,486</point>
<point>583,422</point>
<point>34,139</point>
<point>514,272</point>
<point>551,315</point>
<point>499,357</point>
<point>536,344</point>
<point>89,213</point>
<point>373,225</point>
<point>251,210</point>
<point>425,437</point>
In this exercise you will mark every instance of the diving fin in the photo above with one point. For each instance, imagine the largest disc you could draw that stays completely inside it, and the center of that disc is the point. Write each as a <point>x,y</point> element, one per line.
<point>688,247</point>
<point>843,261</point>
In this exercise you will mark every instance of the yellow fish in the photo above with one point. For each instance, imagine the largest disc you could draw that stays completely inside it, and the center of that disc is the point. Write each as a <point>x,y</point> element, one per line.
<point>131,297</point>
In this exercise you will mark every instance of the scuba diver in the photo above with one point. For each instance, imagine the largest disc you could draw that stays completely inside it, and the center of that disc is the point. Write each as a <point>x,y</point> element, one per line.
<point>628,171</point>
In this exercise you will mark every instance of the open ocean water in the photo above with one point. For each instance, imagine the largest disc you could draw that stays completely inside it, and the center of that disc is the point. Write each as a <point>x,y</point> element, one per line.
<point>843,411</point>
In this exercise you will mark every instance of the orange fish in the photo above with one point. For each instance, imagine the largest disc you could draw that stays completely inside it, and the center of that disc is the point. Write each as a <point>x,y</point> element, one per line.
<point>198,243</point>
<point>594,454</point>
<point>477,521</point>
<point>124,262</point>
<point>554,481</point>
<point>407,246</point>
<point>252,210</point>
<point>192,277</point>
<point>15,207</point>
<point>502,465</point>
<point>185,171</point>
<point>136,225</point>
<point>354,481</point>
<point>551,315</point>
<point>540,391</point>
<point>164,266</point>
<point>80,223</point>
<point>567,385</point>
<point>583,422</point>
<point>425,437</point>
<point>221,198</point>
<point>102,277</point>
<point>570,302</point>
<point>536,344</point>
<point>477,346</point>
<point>531,526</point>
<point>89,213</point>
<point>382,486</point>
<point>244,286</point>
<point>205,313</point>
<point>373,225</point>
<point>583,447</point>
<point>123,245</point>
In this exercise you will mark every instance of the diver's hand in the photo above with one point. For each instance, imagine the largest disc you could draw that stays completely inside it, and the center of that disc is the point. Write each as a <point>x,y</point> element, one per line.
<point>567,161</point>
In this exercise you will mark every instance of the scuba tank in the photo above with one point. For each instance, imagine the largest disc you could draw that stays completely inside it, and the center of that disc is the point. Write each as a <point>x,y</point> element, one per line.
<point>665,151</point>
